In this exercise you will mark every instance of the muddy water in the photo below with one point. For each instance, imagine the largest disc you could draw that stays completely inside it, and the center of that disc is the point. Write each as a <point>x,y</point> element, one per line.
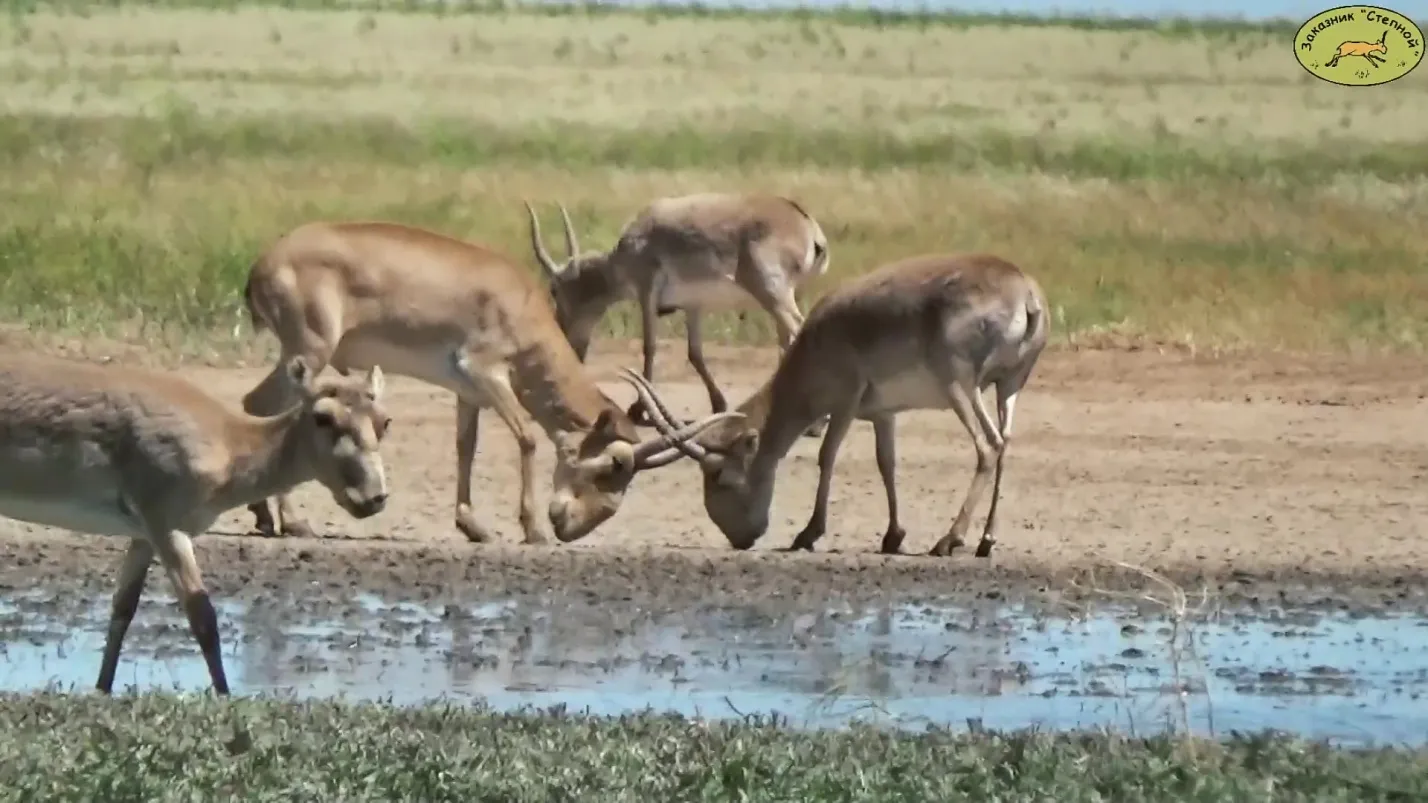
<point>1353,680</point>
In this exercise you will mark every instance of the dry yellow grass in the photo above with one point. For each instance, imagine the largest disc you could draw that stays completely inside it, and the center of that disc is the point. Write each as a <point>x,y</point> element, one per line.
<point>158,224</point>
<point>623,71</point>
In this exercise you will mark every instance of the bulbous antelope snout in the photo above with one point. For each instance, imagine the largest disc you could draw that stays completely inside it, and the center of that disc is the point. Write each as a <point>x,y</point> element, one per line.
<point>363,493</point>
<point>571,520</point>
<point>369,507</point>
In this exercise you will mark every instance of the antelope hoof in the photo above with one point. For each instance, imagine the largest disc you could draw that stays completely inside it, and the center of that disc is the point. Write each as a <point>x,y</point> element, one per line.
<point>297,529</point>
<point>892,541</point>
<point>804,542</point>
<point>472,529</point>
<point>984,548</point>
<point>539,534</point>
<point>944,547</point>
<point>263,524</point>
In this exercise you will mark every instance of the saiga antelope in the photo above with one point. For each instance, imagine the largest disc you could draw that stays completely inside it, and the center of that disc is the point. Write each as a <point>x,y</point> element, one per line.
<point>706,252</point>
<point>464,318</point>
<point>1365,49</point>
<point>929,332</point>
<point>147,456</point>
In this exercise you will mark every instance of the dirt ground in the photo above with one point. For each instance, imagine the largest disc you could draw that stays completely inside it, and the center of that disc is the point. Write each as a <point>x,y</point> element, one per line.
<point>1270,478</point>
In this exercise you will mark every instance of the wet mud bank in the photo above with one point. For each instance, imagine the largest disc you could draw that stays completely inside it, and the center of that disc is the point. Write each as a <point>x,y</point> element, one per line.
<point>241,567</point>
<point>1336,668</point>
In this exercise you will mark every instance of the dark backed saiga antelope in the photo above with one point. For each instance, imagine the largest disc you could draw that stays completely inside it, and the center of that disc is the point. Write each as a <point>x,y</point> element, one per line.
<point>707,252</point>
<point>929,332</point>
<point>462,317</point>
<point>148,456</point>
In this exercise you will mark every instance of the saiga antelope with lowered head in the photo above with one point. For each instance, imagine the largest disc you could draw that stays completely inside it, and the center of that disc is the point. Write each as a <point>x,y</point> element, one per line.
<point>929,332</point>
<point>148,456</point>
<point>464,318</point>
<point>707,252</point>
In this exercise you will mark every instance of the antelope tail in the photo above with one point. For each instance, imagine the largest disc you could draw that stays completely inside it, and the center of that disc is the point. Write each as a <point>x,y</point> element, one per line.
<point>1036,321</point>
<point>818,263</point>
<point>258,323</point>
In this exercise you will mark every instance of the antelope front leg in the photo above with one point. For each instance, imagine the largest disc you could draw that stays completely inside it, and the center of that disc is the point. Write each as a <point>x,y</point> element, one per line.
<point>694,324</point>
<point>788,320</point>
<point>132,573</point>
<point>885,446</point>
<point>838,425</point>
<point>637,412</point>
<point>504,401</point>
<point>468,419</point>
<point>175,551</point>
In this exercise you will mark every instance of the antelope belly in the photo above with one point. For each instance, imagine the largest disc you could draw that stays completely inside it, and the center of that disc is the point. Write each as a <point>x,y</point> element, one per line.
<point>93,515</point>
<point>910,390</point>
<point>711,295</point>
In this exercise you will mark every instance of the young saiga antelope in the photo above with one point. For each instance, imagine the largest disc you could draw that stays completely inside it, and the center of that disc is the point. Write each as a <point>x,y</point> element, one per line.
<point>707,252</point>
<point>929,332</point>
<point>148,456</point>
<point>464,318</point>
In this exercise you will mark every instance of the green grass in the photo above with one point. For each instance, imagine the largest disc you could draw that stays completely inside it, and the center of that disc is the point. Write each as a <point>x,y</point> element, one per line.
<point>1190,186</point>
<point>161,748</point>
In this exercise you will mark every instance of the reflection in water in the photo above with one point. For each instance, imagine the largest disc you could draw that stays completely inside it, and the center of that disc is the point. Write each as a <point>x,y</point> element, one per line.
<point>1326,677</point>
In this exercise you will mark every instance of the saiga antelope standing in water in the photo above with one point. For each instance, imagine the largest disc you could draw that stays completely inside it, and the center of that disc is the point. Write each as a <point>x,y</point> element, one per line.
<point>929,332</point>
<point>124,452</point>
<point>464,318</point>
<point>707,252</point>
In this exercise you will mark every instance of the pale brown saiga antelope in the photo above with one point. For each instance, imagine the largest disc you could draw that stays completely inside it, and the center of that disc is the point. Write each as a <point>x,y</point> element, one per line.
<point>1364,49</point>
<point>462,317</point>
<point>929,332</point>
<point>119,451</point>
<point>707,252</point>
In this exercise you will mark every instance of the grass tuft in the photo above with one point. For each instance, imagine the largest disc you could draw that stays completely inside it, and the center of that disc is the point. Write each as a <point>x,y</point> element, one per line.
<point>155,747</point>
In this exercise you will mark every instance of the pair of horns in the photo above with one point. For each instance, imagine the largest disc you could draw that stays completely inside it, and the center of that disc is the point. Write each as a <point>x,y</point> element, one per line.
<point>572,247</point>
<point>673,443</point>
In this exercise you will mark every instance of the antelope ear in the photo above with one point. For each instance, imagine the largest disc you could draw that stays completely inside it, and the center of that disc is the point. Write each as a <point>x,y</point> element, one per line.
<point>301,373</point>
<point>376,382</point>
<point>745,445</point>
<point>605,424</point>
<point>566,443</point>
<point>622,457</point>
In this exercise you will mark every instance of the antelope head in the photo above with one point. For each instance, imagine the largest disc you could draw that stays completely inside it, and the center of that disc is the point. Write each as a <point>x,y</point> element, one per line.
<point>594,468</point>
<point>342,425</point>
<point>737,504</point>
<point>581,289</point>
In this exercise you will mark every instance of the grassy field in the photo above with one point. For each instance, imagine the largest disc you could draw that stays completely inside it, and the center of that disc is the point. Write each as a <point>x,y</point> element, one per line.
<point>1175,185</point>
<point>156,748</point>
